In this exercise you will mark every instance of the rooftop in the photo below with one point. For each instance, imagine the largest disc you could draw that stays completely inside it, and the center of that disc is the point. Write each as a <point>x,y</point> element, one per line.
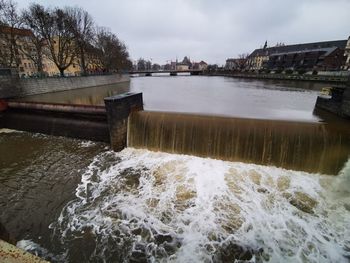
<point>298,47</point>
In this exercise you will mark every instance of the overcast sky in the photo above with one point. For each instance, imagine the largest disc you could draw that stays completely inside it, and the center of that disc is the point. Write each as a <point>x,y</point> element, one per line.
<point>213,30</point>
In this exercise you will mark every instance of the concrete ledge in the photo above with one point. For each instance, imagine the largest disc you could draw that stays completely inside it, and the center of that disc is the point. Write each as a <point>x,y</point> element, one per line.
<point>76,121</point>
<point>13,87</point>
<point>338,104</point>
<point>11,254</point>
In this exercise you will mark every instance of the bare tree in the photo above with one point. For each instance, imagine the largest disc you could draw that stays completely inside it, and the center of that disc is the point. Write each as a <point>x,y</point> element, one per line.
<point>141,64</point>
<point>9,34</point>
<point>61,40</point>
<point>156,67</point>
<point>56,28</point>
<point>83,30</point>
<point>3,6</point>
<point>112,53</point>
<point>242,61</point>
<point>33,48</point>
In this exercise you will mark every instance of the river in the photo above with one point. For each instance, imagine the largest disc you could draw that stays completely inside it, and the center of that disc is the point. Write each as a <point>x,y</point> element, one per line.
<point>208,96</point>
<point>69,200</point>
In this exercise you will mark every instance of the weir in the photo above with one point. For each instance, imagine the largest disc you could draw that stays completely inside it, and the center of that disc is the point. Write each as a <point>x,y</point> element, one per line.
<point>310,147</point>
<point>76,121</point>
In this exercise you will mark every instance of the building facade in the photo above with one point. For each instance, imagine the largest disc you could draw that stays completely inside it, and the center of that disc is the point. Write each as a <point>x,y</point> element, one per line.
<point>235,64</point>
<point>17,51</point>
<point>182,67</point>
<point>322,59</point>
<point>326,55</point>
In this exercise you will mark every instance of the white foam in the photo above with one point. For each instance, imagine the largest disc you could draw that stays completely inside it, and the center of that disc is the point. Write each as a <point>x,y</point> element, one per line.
<point>203,205</point>
<point>86,144</point>
<point>5,130</point>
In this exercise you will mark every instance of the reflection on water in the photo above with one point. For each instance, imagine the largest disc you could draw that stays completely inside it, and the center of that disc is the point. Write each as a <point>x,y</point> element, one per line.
<point>207,95</point>
<point>229,97</point>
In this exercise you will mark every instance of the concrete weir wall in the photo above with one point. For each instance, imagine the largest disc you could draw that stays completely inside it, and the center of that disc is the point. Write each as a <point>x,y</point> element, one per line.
<point>96,123</point>
<point>75,121</point>
<point>12,87</point>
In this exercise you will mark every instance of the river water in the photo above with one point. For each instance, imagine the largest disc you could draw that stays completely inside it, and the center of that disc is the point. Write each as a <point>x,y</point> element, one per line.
<point>207,96</point>
<point>76,201</point>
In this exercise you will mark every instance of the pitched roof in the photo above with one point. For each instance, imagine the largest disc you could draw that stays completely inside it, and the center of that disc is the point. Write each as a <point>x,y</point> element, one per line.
<point>298,47</point>
<point>327,50</point>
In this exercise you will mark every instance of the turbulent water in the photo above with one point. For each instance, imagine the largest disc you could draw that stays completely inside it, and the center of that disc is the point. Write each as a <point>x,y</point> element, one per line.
<point>76,201</point>
<point>142,206</point>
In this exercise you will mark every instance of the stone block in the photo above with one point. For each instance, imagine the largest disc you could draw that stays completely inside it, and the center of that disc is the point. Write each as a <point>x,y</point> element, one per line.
<point>118,109</point>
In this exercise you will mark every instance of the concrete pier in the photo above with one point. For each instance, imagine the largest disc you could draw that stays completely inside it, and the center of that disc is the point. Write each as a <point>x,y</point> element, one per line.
<point>118,109</point>
<point>339,103</point>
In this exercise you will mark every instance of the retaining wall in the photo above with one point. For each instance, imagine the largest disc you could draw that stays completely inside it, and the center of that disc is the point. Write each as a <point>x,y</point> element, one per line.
<point>294,77</point>
<point>14,87</point>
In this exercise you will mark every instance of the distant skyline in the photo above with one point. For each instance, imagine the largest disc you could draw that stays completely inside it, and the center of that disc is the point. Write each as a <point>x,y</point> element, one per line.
<point>163,30</point>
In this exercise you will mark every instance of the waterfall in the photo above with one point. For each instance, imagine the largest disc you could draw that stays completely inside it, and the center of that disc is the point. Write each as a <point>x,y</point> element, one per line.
<point>311,147</point>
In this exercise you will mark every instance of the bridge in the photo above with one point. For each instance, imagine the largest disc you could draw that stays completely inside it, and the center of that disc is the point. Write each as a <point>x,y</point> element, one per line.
<point>171,72</point>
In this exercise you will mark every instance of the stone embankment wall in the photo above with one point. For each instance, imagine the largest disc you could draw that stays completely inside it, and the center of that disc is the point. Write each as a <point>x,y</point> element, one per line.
<point>13,87</point>
<point>305,77</point>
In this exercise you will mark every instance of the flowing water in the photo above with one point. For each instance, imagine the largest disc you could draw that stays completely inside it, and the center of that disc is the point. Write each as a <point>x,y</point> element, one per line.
<point>76,201</point>
<point>311,147</point>
<point>204,95</point>
<point>73,201</point>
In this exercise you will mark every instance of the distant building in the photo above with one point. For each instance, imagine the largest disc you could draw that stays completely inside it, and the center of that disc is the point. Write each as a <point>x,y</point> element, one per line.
<point>199,65</point>
<point>11,56</point>
<point>17,50</point>
<point>173,65</point>
<point>230,64</point>
<point>318,59</point>
<point>186,61</point>
<point>347,55</point>
<point>326,55</point>
<point>235,63</point>
<point>182,67</point>
<point>203,65</point>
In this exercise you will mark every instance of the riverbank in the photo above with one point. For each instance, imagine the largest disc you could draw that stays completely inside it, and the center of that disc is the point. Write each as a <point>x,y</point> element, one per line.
<point>294,77</point>
<point>14,87</point>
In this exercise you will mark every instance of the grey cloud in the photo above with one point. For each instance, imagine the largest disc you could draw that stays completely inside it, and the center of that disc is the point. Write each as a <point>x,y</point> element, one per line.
<point>214,30</point>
